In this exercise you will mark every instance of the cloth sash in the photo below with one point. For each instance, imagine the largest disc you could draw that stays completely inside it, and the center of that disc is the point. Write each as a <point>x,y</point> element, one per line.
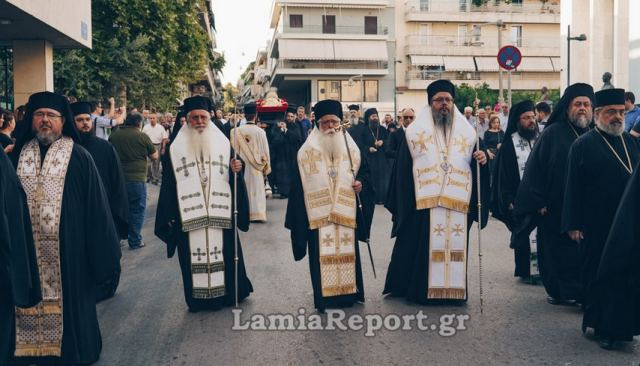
<point>325,201</point>
<point>205,208</point>
<point>523,149</point>
<point>443,184</point>
<point>440,183</point>
<point>252,147</point>
<point>331,207</point>
<point>39,329</point>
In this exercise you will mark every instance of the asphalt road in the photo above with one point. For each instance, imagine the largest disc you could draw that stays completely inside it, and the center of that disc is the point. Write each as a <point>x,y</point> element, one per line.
<point>147,322</point>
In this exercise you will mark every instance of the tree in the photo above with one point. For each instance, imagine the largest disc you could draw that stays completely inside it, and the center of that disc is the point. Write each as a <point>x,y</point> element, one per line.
<point>230,95</point>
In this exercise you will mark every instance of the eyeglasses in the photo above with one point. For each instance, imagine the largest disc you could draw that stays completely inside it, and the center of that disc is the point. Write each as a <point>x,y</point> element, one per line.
<point>613,112</point>
<point>442,100</point>
<point>51,116</point>
<point>408,117</point>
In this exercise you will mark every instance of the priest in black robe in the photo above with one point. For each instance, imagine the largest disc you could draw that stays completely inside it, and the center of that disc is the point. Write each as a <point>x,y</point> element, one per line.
<point>599,166</point>
<point>205,244</point>
<point>326,227</point>
<point>541,192</point>
<point>286,139</point>
<point>66,200</point>
<point>520,136</point>
<point>108,164</point>
<point>616,307</point>
<point>408,115</point>
<point>431,223</point>
<point>19,278</point>
<point>373,140</point>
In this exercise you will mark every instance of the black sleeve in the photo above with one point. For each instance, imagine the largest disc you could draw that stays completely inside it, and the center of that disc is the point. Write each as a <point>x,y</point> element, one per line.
<point>572,207</point>
<point>367,196</point>
<point>242,197</point>
<point>401,199</point>
<point>168,223</point>
<point>505,184</point>
<point>484,191</point>
<point>296,219</point>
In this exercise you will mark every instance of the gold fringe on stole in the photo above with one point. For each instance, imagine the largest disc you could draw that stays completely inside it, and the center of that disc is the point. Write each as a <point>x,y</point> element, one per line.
<point>318,223</point>
<point>446,293</point>
<point>453,204</point>
<point>28,311</point>
<point>338,290</point>
<point>437,257</point>
<point>258,216</point>
<point>342,220</point>
<point>424,203</point>
<point>457,256</point>
<point>38,351</point>
<point>338,259</point>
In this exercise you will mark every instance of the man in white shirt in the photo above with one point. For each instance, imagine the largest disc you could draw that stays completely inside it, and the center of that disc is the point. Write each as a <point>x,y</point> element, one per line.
<point>504,116</point>
<point>159,138</point>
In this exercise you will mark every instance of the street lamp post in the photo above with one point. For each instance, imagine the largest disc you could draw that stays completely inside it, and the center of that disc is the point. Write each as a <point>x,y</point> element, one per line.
<point>582,37</point>
<point>395,85</point>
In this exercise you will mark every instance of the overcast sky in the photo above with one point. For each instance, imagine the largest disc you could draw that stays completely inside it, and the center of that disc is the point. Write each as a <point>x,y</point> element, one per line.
<point>242,29</point>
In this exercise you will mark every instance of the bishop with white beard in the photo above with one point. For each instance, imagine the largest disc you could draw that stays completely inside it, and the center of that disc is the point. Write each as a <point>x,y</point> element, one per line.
<point>195,211</point>
<point>323,213</point>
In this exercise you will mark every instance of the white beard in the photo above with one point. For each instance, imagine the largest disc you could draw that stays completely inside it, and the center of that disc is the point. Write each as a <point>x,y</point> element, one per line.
<point>581,122</point>
<point>199,142</point>
<point>331,145</point>
<point>612,130</point>
<point>354,121</point>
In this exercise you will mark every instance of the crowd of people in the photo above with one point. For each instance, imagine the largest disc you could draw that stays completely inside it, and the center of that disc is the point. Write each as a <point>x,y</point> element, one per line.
<point>74,186</point>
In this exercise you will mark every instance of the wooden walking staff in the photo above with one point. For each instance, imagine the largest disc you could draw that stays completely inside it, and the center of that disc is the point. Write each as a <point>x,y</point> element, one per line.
<point>344,126</point>
<point>235,204</point>
<point>476,104</point>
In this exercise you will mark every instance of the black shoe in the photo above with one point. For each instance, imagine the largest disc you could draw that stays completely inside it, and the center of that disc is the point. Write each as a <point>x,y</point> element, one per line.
<point>608,344</point>
<point>553,301</point>
<point>135,247</point>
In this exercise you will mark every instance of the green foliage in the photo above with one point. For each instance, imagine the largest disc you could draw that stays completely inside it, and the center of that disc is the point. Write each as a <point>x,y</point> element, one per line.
<point>142,51</point>
<point>230,94</point>
<point>466,94</point>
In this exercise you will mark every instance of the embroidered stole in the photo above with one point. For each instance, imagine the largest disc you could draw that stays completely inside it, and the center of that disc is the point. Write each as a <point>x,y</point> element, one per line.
<point>39,329</point>
<point>331,208</point>
<point>443,183</point>
<point>204,199</point>
<point>523,149</point>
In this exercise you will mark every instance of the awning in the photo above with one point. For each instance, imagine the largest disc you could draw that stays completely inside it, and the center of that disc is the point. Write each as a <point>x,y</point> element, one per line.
<point>539,64</point>
<point>487,64</point>
<point>420,60</point>
<point>327,49</point>
<point>459,63</point>
<point>557,66</point>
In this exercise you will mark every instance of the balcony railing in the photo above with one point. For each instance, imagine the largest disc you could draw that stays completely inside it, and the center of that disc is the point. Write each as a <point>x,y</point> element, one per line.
<point>476,45</point>
<point>492,6</point>
<point>318,29</point>
<point>415,74</point>
<point>333,65</point>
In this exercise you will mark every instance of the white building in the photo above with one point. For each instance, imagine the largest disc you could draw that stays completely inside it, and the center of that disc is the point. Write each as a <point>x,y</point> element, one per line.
<point>342,50</point>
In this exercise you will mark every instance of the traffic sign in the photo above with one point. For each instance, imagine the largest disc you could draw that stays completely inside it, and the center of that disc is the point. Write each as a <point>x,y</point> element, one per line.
<point>509,57</point>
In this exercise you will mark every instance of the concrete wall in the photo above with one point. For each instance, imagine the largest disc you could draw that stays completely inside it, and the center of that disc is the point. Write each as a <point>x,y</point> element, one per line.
<point>634,49</point>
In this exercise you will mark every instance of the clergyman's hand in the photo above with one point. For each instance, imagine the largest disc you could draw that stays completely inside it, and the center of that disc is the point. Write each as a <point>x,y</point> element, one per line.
<point>372,150</point>
<point>236,166</point>
<point>576,235</point>
<point>357,186</point>
<point>480,157</point>
<point>542,211</point>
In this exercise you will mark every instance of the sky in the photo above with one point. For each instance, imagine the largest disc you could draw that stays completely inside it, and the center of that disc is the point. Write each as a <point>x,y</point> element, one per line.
<point>242,29</point>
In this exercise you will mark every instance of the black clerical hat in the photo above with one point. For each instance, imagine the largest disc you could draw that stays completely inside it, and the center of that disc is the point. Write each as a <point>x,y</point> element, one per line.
<point>292,108</point>
<point>515,113</point>
<point>48,100</point>
<point>197,102</point>
<point>249,108</point>
<point>369,112</point>
<point>81,108</point>
<point>327,106</point>
<point>354,107</point>
<point>440,86</point>
<point>609,97</point>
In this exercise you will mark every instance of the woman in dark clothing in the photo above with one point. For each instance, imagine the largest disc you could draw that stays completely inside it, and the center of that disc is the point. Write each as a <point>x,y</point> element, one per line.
<point>7,125</point>
<point>493,139</point>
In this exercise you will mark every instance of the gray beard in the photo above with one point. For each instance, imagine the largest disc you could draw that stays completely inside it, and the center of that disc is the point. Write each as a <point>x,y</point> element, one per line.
<point>331,144</point>
<point>580,122</point>
<point>47,138</point>
<point>354,121</point>
<point>442,120</point>
<point>199,142</point>
<point>610,129</point>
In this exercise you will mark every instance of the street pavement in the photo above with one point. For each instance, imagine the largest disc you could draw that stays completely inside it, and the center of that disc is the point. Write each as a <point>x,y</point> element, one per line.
<point>147,322</point>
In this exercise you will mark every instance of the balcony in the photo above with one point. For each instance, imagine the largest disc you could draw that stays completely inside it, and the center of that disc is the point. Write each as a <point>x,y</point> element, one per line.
<point>420,79</point>
<point>327,67</point>
<point>339,30</point>
<point>479,45</point>
<point>465,11</point>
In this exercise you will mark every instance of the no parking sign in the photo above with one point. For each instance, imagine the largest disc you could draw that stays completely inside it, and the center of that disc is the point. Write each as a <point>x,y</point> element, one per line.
<point>509,57</point>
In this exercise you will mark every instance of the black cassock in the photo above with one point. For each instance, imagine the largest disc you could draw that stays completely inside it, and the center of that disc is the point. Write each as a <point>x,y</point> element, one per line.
<point>110,170</point>
<point>393,142</point>
<point>378,163</point>
<point>543,182</point>
<point>408,270</point>
<point>595,183</point>
<point>506,179</point>
<point>285,147</point>
<point>304,240</point>
<point>615,311</point>
<point>19,278</point>
<point>89,255</point>
<point>169,211</point>
<point>224,127</point>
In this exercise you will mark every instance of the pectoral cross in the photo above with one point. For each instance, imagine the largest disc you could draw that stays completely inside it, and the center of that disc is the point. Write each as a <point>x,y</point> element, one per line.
<point>309,164</point>
<point>185,166</point>
<point>215,252</point>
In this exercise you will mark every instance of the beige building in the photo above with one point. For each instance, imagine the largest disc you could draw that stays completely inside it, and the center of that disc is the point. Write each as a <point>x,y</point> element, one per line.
<point>33,29</point>
<point>457,40</point>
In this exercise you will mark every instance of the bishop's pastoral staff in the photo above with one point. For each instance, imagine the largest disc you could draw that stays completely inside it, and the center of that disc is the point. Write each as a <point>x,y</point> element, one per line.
<point>195,211</point>
<point>433,200</point>
<point>323,214</point>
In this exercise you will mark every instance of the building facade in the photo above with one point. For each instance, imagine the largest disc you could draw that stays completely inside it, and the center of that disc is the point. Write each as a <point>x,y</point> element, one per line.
<point>459,41</point>
<point>340,50</point>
